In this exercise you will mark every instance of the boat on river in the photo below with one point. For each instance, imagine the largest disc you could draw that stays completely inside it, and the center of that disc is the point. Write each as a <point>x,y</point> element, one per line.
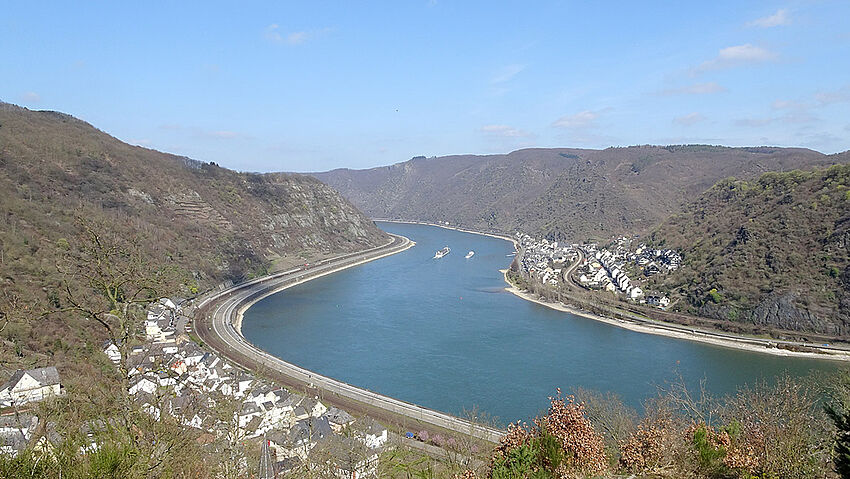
<point>469,255</point>
<point>442,252</point>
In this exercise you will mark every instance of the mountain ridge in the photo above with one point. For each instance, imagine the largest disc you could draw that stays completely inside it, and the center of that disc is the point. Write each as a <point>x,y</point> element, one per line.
<point>209,222</point>
<point>561,193</point>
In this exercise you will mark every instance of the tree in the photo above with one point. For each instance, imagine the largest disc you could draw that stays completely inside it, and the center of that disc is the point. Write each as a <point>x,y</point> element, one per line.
<point>108,280</point>
<point>838,409</point>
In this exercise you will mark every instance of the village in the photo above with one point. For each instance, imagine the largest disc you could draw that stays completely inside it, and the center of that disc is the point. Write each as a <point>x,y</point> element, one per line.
<point>170,374</point>
<point>619,267</point>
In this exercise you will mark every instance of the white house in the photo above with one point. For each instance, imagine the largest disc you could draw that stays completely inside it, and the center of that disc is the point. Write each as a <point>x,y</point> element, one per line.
<point>112,352</point>
<point>374,435</point>
<point>30,385</point>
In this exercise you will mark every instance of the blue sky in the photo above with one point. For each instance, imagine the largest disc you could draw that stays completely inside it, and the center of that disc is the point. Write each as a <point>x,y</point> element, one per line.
<point>319,85</point>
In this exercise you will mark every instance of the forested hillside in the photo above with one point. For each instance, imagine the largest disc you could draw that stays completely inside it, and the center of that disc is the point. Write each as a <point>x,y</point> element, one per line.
<point>570,194</point>
<point>771,251</point>
<point>210,223</point>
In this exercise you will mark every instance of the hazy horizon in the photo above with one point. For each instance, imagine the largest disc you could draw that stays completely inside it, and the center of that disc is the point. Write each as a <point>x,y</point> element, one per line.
<point>317,87</point>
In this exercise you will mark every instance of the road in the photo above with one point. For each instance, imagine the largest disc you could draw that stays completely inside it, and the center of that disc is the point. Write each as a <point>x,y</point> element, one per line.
<point>219,313</point>
<point>829,351</point>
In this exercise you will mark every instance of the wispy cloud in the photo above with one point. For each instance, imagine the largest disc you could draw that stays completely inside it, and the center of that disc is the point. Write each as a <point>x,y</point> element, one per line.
<point>841,95</point>
<point>581,120</point>
<point>30,97</point>
<point>504,137</point>
<point>274,34</point>
<point>794,111</point>
<point>582,128</point>
<point>505,131</point>
<point>507,73</point>
<point>753,122</point>
<point>206,133</point>
<point>295,38</point>
<point>695,89</point>
<point>738,55</point>
<point>689,119</point>
<point>779,18</point>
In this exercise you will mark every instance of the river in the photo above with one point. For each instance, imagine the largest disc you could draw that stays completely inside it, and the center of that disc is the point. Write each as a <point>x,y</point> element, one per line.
<point>443,333</point>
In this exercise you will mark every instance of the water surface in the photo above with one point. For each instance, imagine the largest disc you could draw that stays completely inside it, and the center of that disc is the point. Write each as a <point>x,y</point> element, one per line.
<point>444,334</point>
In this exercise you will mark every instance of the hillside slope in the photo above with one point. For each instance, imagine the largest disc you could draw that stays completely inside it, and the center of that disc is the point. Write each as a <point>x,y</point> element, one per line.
<point>773,251</point>
<point>212,223</point>
<point>572,194</point>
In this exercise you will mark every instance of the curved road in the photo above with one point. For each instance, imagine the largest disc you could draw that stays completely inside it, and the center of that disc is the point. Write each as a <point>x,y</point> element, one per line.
<point>695,333</point>
<point>221,315</point>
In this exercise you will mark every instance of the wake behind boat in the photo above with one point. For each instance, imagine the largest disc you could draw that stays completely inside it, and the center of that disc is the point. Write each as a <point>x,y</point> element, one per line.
<point>442,252</point>
<point>469,255</point>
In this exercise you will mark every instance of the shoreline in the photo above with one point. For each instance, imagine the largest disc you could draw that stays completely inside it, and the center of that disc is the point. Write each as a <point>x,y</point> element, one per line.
<point>731,341</point>
<point>740,342</point>
<point>220,333</point>
<point>462,230</point>
<point>237,325</point>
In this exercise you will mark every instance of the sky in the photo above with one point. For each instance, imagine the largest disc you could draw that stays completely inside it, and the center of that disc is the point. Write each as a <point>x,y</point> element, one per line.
<point>312,86</point>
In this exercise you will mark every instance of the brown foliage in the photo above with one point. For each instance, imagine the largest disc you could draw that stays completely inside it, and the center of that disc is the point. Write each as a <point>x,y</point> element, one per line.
<point>566,421</point>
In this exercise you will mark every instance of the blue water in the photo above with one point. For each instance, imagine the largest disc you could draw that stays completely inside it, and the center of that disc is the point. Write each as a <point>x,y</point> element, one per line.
<point>444,334</point>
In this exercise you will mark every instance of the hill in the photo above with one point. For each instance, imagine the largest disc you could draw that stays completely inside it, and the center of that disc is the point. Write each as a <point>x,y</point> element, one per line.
<point>771,251</point>
<point>573,194</point>
<point>209,222</point>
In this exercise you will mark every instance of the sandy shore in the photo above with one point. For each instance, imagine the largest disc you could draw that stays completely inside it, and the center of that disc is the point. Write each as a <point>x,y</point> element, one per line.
<point>741,342</point>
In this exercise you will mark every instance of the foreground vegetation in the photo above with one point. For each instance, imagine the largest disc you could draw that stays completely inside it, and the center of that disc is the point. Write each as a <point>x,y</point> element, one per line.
<point>793,428</point>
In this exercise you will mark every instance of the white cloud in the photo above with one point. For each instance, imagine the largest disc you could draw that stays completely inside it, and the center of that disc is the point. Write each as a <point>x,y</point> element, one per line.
<point>689,119</point>
<point>505,131</point>
<point>789,105</point>
<point>835,96</point>
<point>295,38</point>
<point>738,55</point>
<point>695,89</point>
<point>507,73</point>
<point>224,134</point>
<point>30,97</point>
<point>779,18</point>
<point>204,133</point>
<point>581,120</point>
<point>274,34</point>
<point>753,122</point>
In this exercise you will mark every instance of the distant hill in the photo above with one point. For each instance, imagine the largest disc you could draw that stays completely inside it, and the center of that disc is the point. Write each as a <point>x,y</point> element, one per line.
<point>572,194</point>
<point>774,251</point>
<point>214,223</point>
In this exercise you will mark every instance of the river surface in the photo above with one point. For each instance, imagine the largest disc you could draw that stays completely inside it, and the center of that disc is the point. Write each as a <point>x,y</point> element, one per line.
<point>443,333</point>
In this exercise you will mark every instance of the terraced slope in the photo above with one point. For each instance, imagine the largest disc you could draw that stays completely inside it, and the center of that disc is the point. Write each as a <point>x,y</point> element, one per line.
<point>212,223</point>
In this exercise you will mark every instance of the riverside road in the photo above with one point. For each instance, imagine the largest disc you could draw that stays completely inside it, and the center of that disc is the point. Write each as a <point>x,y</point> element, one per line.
<point>218,315</point>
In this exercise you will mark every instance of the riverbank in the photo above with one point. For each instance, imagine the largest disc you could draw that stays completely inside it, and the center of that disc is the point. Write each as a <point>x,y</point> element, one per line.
<point>671,331</point>
<point>715,338</point>
<point>454,228</point>
<point>217,328</point>
<point>308,276</point>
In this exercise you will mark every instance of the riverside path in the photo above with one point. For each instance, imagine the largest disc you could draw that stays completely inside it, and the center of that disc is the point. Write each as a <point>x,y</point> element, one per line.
<point>219,315</point>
